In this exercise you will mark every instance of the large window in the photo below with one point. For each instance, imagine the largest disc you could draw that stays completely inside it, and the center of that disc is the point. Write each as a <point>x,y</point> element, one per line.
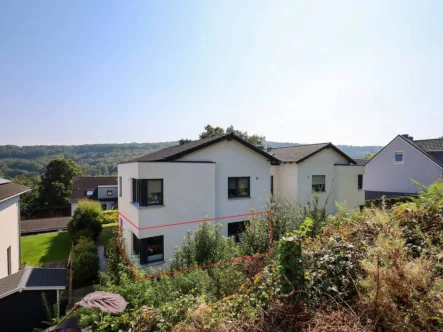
<point>236,230</point>
<point>147,192</point>
<point>319,183</point>
<point>149,249</point>
<point>8,255</point>
<point>238,187</point>
<point>398,157</point>
<point>360,181</point>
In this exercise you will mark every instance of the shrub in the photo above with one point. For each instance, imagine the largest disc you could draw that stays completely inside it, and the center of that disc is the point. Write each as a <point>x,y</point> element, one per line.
<point>108,216</point>
<point>85,262</point>
<point>85,221</point>
<point>256,237</point>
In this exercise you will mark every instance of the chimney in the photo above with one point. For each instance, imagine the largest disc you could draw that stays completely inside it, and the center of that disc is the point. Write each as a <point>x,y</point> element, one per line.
<point>408,137</point>
<point>184,141</point>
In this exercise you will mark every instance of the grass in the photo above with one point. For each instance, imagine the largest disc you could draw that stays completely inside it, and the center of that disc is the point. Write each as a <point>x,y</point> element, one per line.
<point>44,248</point>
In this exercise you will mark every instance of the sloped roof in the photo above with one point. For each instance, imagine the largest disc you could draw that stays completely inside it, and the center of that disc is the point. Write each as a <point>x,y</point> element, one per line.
<point>361,162</point>
<point>299,153</point>
<point>32,278</point>
<point>44,225</point>
<point>82,183</point>
<point>175,152</point>
<point>10,189</point>
<point>430,145</point>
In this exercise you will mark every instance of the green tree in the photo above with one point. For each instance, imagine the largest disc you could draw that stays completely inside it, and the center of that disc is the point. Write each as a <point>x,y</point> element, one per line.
<point>56,184</point>
<point>368,156</point>
<point>31,199</point>
<point>218,131</point>
<point>85,221</point>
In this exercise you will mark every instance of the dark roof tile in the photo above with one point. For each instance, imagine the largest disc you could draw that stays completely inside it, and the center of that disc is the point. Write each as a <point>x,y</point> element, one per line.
<point>11,189</point>
<point>11,282</point>
<point>430,145</point>
<point>44,225</point>
<point>299,153</point>
<point>83,183</point>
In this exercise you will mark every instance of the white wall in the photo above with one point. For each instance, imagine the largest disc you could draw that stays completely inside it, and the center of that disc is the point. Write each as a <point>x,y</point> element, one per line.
<point>188,194</point>
<point>73,208</point>
<point>285,181</point>
<point>233,159</point>
<point>347,185</point>
<point>9,235</point>
<point>382,174</point>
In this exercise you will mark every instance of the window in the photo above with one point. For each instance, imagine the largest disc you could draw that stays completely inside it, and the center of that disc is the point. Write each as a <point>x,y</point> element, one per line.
<point>120,186</point>
<point>318,183</point>
<point>148,249</point>
<point>360,181</point>
<point>104,206</point>
<point>238,187</point>
<point>398,159</point>
<point>236,229</point>
<point>272,185</point>
<point>89,192</point>
<point>109,192</point>
<point>147,192</point>
<point>8,255</point>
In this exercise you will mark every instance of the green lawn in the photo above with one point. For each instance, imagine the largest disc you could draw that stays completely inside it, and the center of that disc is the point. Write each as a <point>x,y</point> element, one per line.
<point>50,247</point>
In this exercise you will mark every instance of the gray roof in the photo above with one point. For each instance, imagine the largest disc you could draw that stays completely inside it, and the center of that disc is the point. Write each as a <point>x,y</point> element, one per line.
<point>299,153</point>
<point>82,183</point>
<point>361,162</point>
<point>418,145</point>
<point>10,189</point>
<point>30,278</point>
<point>371,194</point>
<point>44,225</point>
<point>430,145</point>
<point>175,152</point>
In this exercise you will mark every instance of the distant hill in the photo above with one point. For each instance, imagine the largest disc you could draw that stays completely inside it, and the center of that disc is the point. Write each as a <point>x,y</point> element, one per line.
<point>102,159</point>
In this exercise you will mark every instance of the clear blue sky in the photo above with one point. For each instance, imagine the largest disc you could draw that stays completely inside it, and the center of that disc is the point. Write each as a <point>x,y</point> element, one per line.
<point>350,72</point>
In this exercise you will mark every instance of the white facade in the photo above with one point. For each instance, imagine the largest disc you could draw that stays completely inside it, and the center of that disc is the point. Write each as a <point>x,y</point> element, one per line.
<point>9,235</point>
<point>383,173</point>
<point>293,181</point>
<point>195,187</point>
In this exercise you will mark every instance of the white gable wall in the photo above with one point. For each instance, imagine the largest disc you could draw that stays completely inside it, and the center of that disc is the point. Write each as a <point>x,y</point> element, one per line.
<point>382,174</point>
<point>9,235</point>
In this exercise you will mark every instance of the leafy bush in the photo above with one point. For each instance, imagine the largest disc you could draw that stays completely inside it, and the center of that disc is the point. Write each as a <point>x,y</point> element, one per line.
<point>85,262</point>
<point>108,216</point>
<point>86,220</point>
<point>256,237</point>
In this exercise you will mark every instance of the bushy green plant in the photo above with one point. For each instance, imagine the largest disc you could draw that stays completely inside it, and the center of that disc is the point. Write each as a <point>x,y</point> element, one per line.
<point>256,237</point>
<point>85,262</point>
<point>108,216</point>
<point>86,220</point>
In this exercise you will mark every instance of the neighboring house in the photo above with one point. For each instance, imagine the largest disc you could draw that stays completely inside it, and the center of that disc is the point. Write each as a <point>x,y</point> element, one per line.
<point>99,188</point>
<point>214,177</point>
<point>10,226</point>
<point>322,168</point>
<point>391,171</point>
<point>21,304</point>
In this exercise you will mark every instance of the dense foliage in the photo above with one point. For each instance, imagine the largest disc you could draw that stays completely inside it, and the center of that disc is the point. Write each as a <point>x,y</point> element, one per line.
<point>86,221</point>
<point>378,269</point>
<point>108,216</point>
<point>85,262</point>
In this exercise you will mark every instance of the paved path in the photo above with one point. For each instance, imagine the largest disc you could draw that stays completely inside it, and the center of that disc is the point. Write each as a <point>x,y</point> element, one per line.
<point>102,258</point>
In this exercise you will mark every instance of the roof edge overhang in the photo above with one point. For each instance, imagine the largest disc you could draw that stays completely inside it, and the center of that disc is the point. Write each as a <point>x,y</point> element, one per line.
<point>15,195</point>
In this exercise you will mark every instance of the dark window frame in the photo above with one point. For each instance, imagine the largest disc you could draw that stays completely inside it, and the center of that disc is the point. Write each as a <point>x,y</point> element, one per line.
<point>360,181</point>
<point>9,260</point>
<point>140,248</point>
<point>272,185</point>
<point>237,183</point>
<point>319,188</point>
<point>120,186</point>
<point>140,192</point>
<point>236,229</point>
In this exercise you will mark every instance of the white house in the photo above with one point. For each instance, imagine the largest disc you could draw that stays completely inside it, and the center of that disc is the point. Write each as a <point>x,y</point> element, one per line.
<point>99,188</point>
<point>10,226</point>
<point>322,168</point>
<point>214,177</point>
<point>391,171</point>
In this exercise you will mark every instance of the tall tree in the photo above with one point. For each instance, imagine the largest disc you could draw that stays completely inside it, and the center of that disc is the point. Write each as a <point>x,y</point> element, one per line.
<point>218,131</point>
<point>56,184</point>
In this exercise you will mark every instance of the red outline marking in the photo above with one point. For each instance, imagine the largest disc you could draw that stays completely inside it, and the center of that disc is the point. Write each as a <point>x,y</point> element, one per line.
<point>236,260</point>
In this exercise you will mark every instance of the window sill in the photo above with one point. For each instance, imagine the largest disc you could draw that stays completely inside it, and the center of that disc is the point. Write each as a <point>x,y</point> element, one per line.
<point>234,198</point>
<point>152,264</point>
<point>148,206</point>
